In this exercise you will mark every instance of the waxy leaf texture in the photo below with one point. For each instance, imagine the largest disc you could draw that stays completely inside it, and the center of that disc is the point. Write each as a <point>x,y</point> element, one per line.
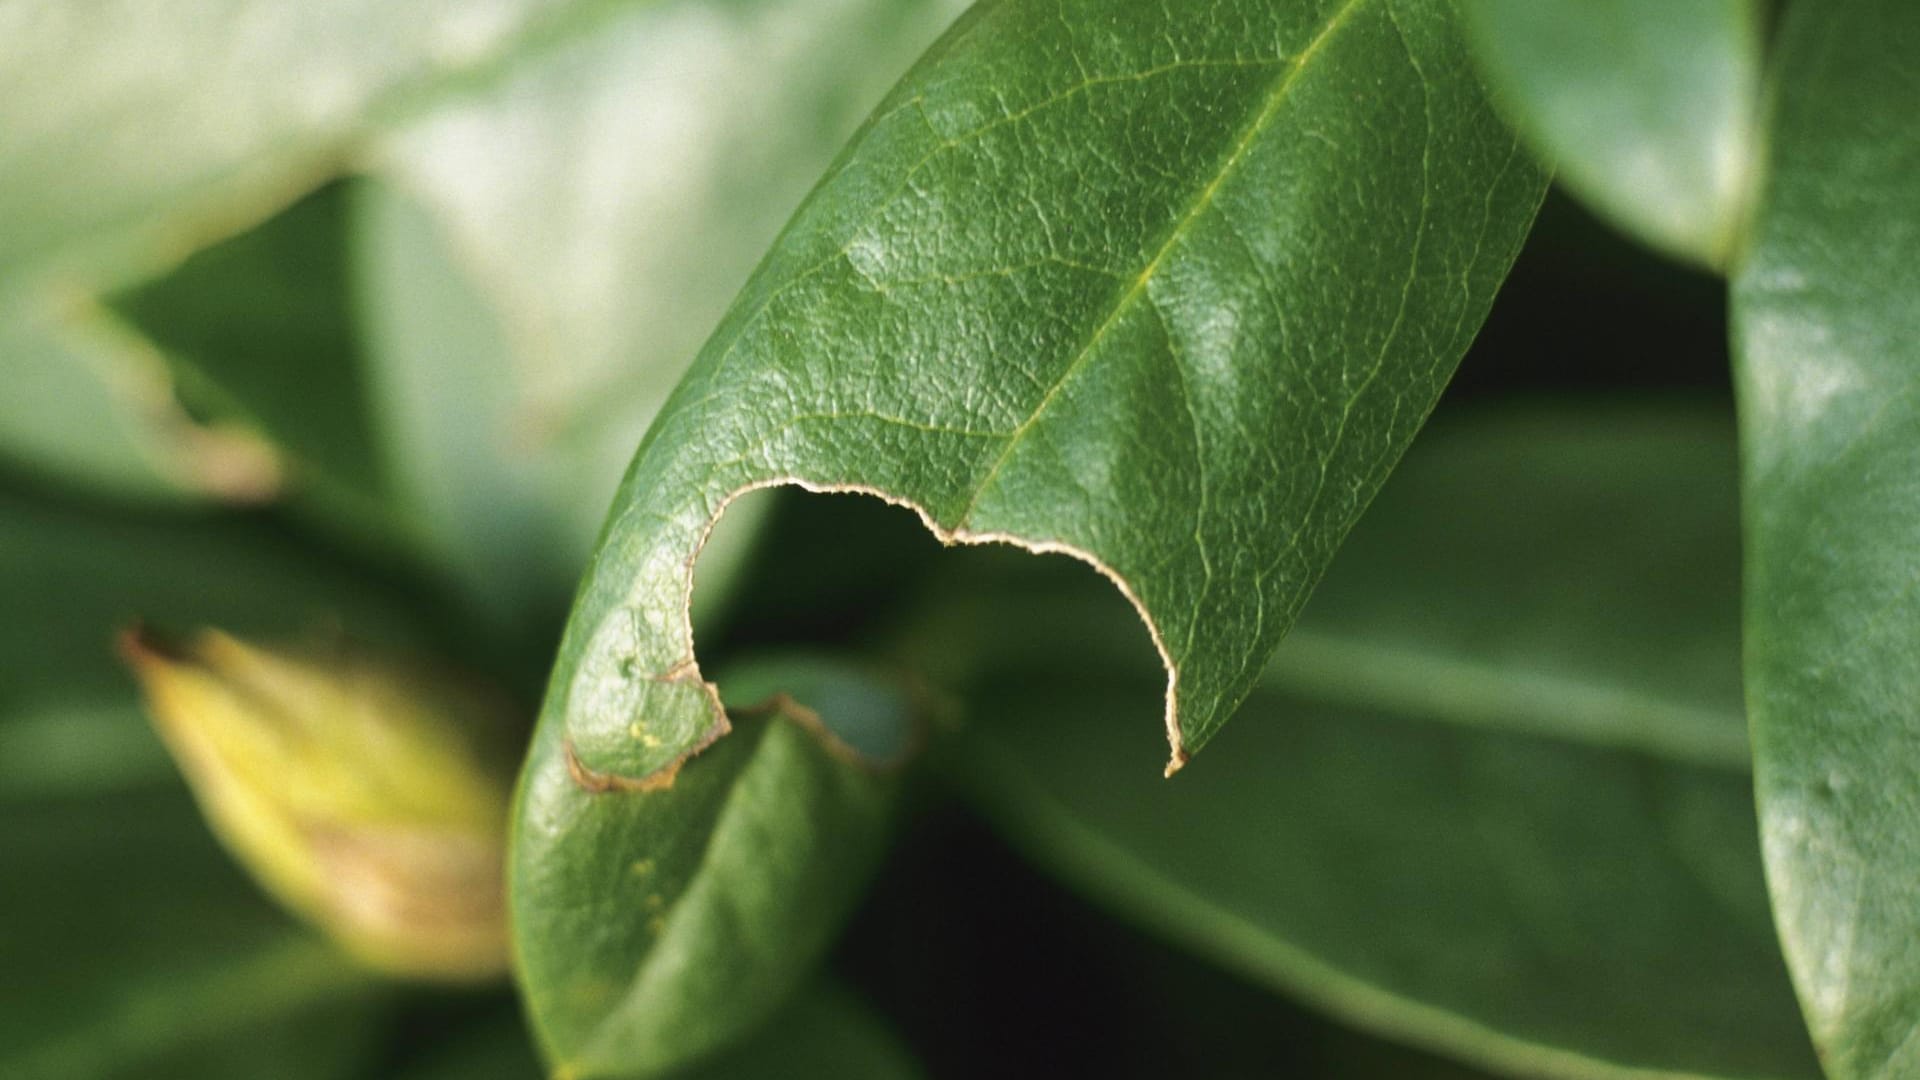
<point>1165,291</point>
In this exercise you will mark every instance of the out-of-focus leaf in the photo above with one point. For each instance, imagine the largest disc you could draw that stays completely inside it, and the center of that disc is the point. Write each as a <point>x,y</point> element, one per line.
<point>133,949</point>
<point>1827,337</point>
<point>135,129</point>
<point>655,924</point>
<point>1545,908</point>
<point>1575,573</point>
<point>1165,288</point>
<point>1542,890</point>
<point>542,259</point>
<point>89,404</point>
<point>825,1032</point>
<point>1647,108</point>
<point>490,503</point>
<point>258,329</point>
<point>71,578</point>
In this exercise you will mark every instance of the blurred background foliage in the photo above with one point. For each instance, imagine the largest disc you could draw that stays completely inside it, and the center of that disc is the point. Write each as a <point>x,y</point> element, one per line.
<point>343,321</point>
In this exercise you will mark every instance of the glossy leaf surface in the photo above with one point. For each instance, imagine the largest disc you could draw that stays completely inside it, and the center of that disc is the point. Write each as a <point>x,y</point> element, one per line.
<point>656,924</point>
<point>1166,290</point>
<point>1477,868</point>
<point>1647,109</point>
<point>1827,333</point>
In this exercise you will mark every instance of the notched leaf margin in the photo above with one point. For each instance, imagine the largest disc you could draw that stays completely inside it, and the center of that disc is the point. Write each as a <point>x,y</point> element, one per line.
<point>688,667</point>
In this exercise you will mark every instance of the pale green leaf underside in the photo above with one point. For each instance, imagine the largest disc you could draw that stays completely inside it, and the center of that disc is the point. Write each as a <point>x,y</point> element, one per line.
<point>1646,108</point>
<point>132,128</point>
<point>1827,335</point>
<point>138,132</point>
<point>1167,290</point>
<point>1523,887</point>
<point>825,1033</point>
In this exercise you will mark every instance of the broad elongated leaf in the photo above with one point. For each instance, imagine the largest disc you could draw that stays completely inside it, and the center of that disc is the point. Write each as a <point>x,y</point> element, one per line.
<point>133,128</point>
<point>1167,290</point>
<point>656,923</point>
<point>1827,335</point>
<point>1543,908</point>
<point>1485,868</point>
<point>1647,109</point>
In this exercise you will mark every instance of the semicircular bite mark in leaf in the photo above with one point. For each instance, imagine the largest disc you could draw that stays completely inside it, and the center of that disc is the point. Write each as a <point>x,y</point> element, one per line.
<point>1166,292</point>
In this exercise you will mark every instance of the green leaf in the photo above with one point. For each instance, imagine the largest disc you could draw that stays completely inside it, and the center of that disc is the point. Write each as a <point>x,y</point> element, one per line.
<point>1539,907</point>
<point>89,405</point>
<point>258,329</point>
<point>489,503</point>
<point>1530,889</point>
<point>550,251</point>
<point>135,131</point>
<point>1166,290</point>
<point>1648,109</point>
<point>135,136</point>
<point>134,949</point>
<point>1827,336</point>
<point>1569,573</point>
<point>656,923</point>
<point>1564,653</point>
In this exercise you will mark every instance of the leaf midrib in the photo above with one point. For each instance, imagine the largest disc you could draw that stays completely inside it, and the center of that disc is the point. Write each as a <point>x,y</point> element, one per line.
<point>1276,98</point>
<point>1358,672</point>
